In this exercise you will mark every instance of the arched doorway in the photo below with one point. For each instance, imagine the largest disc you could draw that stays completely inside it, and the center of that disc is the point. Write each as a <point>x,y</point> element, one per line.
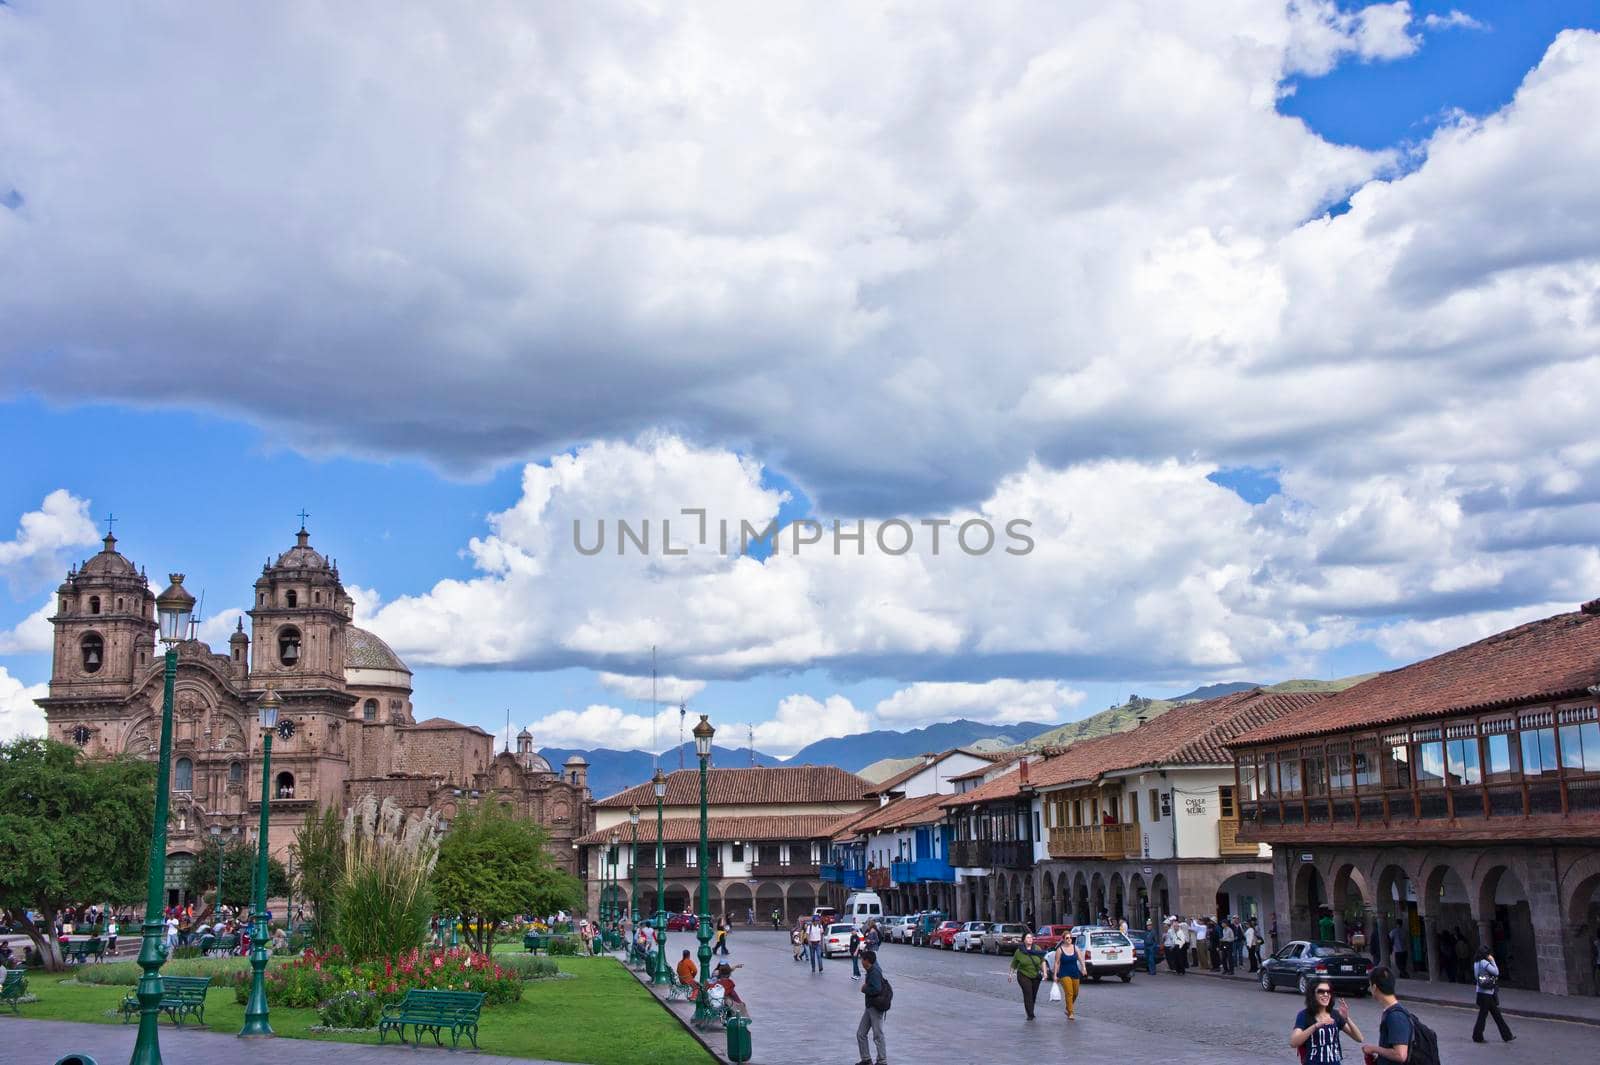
<point>1582,910</point>
<point>1308,902</point>
<point>1047,893</point>
<point>678,897</point>
<point>1396,902</point>
<point>1080,899</point>
<point>1140,916</point>
<point>1247,894</point>
<point>738,902</point>
<point>1160,898</point>
<point>1117,901</point>
<point>1352,900</point>
<point>769,897</point>
<point>1097,897</point>
<point>802,900</point>
<point>1449,908</point>
<point>1503,905</point>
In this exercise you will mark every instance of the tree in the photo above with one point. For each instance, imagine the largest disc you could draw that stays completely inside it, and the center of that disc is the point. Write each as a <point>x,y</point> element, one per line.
<point>492,867</point>
<point>238,873</point>
<point>72,832</point>
<point>318,851</point>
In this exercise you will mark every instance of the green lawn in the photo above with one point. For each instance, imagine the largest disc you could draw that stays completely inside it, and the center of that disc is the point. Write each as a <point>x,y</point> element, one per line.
<point>602,1016</point>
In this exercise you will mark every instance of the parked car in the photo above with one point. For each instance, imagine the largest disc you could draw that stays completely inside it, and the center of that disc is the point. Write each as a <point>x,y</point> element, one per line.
<point>1003,938</point>
<point>682,922</point>
<point>900,930</point>
<point>1106,952</point>
<point>1302,961</point>
<point>970,937</point>
<point>1049,936</point>
<point>924,925</point>
<point>942,936</point>
<point>827,913</point>
<point>836,939</point>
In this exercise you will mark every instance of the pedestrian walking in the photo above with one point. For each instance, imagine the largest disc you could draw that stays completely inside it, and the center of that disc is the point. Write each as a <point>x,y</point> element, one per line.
<point>1317,1027</point>
<point>1325,926</point>
<point>1152,948</point>
<point>1066,968</point>
<point>814,943</point>
<point>1399,1031</point>
<point>723,928</point>
<point>797,936</point>
<point>777,919</point>
<point>1400,945</point>
<point>1226,947</point>
<point>1027,966</point>
<point>1176,945</point>
<point>1486,974</point>
<point>855,954</point>
<point>876,994</point>
<point>1252,944</point>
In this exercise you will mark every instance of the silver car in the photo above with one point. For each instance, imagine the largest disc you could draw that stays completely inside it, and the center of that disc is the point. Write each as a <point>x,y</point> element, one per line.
<point>970,937</point>
<point>1003,938</point>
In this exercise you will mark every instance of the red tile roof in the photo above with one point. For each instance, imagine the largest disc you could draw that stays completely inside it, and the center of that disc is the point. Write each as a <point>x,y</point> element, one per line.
<point>751,786</point>
<point>1555,658</point>
<point>720,829</point>
<point>922,810</point>
<point>904,775</point>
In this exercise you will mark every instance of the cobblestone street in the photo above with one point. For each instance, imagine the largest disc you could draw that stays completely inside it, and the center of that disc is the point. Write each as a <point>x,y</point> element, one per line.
<point>957,1008</point>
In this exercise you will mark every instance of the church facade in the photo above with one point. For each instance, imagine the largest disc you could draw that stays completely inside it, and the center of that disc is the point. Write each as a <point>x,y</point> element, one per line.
<point>346,728</point>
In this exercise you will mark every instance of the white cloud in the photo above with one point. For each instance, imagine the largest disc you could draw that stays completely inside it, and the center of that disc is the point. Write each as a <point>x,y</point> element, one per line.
<point>1322,34</point>
<point>664,689</point>
<point>1000,702</point>
<point>33,634</point>
<point>216,629</point>
<point>44,536</point>
<point>1420,639</point>
<point>804,719</point>
<point>1453,20</point>
<point>598,725</point>
<point>19,716</point>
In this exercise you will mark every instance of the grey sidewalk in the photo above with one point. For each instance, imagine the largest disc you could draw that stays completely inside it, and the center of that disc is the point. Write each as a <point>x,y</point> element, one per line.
<point>25,1042</point>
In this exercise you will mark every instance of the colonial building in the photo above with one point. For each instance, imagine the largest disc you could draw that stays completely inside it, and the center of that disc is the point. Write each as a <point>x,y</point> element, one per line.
<point>346,727</point>
<point>768,829</point>
<point>1459,797</point>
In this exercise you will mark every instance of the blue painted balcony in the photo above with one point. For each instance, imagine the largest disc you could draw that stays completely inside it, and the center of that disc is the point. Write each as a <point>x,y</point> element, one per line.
<point>923,870</point>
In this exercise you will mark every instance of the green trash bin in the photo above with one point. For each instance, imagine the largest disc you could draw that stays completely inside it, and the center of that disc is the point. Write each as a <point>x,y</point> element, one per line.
<point>738,1038</point>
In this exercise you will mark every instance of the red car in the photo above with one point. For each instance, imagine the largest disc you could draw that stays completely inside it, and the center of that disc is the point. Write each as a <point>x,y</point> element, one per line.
<point>1049,936</point>
<point>942,937</point>
<point>682,922</point>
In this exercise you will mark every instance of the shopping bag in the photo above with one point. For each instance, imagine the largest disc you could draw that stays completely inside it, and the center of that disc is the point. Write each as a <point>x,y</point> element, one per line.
<point>1055,991</point>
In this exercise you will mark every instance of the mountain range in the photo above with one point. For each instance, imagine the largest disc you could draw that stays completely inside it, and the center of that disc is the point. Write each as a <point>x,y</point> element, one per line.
<point>610,771</point>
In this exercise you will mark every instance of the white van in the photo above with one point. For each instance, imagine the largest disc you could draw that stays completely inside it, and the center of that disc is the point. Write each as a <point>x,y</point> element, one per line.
<point>861,907</point>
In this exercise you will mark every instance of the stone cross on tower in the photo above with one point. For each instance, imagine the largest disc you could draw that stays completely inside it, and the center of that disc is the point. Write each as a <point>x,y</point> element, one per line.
<point>303,516</point>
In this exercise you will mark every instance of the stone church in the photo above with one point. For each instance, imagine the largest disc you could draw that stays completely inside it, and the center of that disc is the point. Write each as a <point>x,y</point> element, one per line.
<point>346,727</point>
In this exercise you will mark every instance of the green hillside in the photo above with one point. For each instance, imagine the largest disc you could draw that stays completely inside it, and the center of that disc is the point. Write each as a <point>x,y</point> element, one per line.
<point>884,768</point>
<point>1338,685</point>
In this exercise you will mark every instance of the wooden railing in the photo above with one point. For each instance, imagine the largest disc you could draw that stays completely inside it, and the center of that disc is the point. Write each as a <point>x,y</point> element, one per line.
<point>1095,841</point>
<point>1228,843</point>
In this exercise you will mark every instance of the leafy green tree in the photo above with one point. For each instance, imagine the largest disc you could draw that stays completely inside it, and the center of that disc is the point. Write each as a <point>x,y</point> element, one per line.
<point>238,873</point>
<point>318,851</point>
<point>72,832</point>
<point>493,866</point>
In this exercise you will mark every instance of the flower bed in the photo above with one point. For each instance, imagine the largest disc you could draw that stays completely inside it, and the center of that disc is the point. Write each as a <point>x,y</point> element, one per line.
<point>314,978</point>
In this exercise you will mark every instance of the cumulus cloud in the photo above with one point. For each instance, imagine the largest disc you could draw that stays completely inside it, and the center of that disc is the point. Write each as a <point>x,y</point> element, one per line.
<point>804,719</point>
<point>1000,702</point>
<point>44,537</point>
<point>666,689</point>
<point>1322,34</point>
<point>1454,19</point>
<point>599,725</point>
<point>19,716</point>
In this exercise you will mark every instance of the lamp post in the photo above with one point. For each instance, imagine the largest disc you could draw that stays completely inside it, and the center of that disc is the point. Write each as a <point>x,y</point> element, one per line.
<point>174,606</point>
<point>659,783</point>
<point>633,869</point>
<point>702,747</point>
<point>616,909</point>
<point>255,1010</point>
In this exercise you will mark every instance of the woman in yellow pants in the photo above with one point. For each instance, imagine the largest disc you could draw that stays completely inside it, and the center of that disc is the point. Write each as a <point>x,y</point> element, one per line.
<point>1067,972</point>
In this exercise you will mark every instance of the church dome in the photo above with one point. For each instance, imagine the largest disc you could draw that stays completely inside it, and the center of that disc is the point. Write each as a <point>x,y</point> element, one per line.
<point>108,563</point>
<point>365,650</point>
<point>534,762</point>
<point>302,555</point>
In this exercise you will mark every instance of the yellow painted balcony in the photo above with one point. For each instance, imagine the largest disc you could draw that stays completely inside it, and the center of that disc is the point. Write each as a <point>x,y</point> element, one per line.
<point>1228,843</point>
<point>1094,841</point>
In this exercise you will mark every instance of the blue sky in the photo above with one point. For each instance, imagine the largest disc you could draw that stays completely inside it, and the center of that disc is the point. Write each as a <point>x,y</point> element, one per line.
<point>1087,280</point>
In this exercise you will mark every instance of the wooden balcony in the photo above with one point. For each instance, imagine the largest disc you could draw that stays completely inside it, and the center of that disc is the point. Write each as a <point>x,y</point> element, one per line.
<point>878,879</point>
<point>775,869</point>
<point>1095,841</point>
<point>1228,843</point>
<point>970,853</point>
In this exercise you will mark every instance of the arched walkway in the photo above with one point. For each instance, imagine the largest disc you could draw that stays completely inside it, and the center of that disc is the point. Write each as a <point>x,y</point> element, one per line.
<point>1117,901</point>
<point>737,901</point>
<point>1097,896</point>
<point>802,900</point>
<point>1047,894</point>
<point>769,897</point>
<point>1307,902</point>
<point>1160,897</point>
<point>1351,901</point>
<point>1139,896</point>
<point>1395,901</point>
<point>1080,898</point>
<point>1248,895</point>
<point>1580,907</point>
<point>1505,917</point>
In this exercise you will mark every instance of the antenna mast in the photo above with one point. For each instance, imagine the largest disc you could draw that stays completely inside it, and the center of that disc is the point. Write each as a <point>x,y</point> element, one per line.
<point>655,708</point>
<point>508,730</point>
<point>750,734</point>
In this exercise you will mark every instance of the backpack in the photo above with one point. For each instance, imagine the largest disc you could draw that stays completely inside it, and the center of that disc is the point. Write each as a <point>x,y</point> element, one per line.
<point>883,999</point>
<point>716,996</point>
<point>1424,1043</point>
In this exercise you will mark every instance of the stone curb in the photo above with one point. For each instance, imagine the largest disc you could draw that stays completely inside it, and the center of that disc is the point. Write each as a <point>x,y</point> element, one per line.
<point>718,1053</point>
<point>1532,1014</point>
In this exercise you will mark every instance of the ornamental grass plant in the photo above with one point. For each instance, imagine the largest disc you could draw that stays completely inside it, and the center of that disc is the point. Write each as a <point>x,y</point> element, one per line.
<point>382,900</point>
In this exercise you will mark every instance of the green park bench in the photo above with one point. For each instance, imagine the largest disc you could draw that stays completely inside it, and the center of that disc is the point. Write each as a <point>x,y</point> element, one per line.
<point>180,995</point>
<point>220,945</point>
<point>677,988</point>
<point>434,1011</point>
<point>534,942</point>
<point>12,988</point>
<point>81,951</point>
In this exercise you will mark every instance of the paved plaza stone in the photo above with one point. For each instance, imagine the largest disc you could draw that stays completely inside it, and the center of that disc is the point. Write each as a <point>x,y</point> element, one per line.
<point>958,1008</point>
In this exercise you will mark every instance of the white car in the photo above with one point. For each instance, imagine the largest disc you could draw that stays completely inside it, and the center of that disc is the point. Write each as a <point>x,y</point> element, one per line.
<point>970,937</point>
<point>1105,952</point>
<point>900,930</point>
<point>836,940</point>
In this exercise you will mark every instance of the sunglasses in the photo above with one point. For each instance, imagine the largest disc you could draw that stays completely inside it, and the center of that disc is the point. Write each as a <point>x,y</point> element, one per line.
<point>1324,990</point>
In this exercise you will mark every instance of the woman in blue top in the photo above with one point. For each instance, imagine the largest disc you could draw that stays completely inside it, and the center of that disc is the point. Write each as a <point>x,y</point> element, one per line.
<point>1317,1028</point>
<point>1486,974</point>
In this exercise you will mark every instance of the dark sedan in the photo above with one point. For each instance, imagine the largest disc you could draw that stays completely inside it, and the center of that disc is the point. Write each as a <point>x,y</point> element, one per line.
<point>1302,962</point>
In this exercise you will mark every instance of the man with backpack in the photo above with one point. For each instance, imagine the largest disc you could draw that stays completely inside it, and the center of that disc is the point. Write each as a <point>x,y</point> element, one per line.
<point>877,996</point>
<point>1402,1036</point>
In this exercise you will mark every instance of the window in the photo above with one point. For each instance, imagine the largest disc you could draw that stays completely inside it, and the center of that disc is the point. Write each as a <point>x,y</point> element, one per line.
<point>119,603</point>
<point>1430,764</point>
<point>285,788</point>
<point>1289,776</point>
<point>369,710</point>
<point>183,775</point>
<point>1155,806</point>
<point>1037,833</point>
<point>1397,769</point>
<point>1502,756</point>
<point>1461,762</point>
<point>1538,752</point>
<point>289,646</point>
<point>235,773</point>
<point>1580,747</point>
<point>94,604</point>
<point>1316,781</point>
<point>1133,806</point>
<point>1366,769</point>
<point>1226,809</point>
<point>93,650</point>
<point>291,598</point>
<point>1339,778</point>
<point>316,597</point>
<point>1269,782</point>
<point>737,852</point>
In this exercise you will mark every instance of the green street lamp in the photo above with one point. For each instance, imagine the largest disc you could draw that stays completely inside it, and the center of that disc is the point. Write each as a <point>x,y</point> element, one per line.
<point>174,608</point>
<point>616,905</point>
<point>255,1010</point>
<point>633,871</point>
<point>702,747</point>
<point>659,783</point>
